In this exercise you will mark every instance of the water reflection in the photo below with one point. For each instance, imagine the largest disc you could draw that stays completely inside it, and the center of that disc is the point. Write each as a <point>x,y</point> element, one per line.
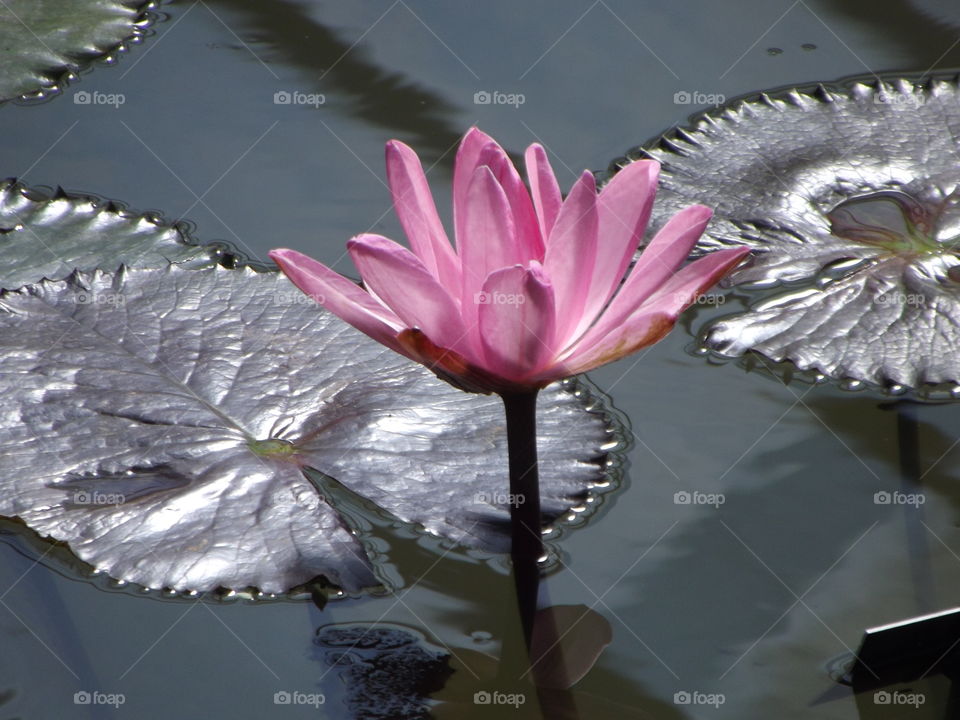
<point>470,661</point>
<point>912,24</point>
<point>386,670</point>
<point>376,96</point>
<point>946,12</point>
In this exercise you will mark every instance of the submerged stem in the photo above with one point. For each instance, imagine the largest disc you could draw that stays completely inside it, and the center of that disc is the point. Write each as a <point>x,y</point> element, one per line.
<point>527,545</point>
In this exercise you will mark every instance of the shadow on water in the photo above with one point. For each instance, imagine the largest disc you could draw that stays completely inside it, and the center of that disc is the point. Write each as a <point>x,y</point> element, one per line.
<point>376,96</point>
<point>931,44</point>
<point>820,508</point>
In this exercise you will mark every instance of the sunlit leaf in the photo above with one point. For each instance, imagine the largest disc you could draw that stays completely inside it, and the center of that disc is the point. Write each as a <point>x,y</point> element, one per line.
<point>45,236</point>
<point>849,194</point>
<point>157,421</point>
<point>44,42</point>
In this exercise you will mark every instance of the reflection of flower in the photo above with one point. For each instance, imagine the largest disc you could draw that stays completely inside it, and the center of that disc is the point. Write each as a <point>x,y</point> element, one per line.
<point>850,196</point>
<point>530,295</point>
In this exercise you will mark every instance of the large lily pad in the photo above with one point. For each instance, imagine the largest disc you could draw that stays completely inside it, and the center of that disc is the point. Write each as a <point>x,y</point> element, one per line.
<point>849,195</point>
<point>46,42</point>
<point>50,235</point>
<point>157,421</point>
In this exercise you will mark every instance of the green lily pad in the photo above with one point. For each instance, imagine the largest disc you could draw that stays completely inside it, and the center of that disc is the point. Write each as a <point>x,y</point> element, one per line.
<point>45,43</point>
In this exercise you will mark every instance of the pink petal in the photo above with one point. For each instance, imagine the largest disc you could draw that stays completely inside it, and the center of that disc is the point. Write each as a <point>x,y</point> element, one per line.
<point>639,331</point>
<point>543,187</point>
<point>571,254</point>
<point>653,319</point>
<point>517,321</point>
<point>624,208</point>
<point>402,282</point>
<point>680,292</point>
<point>417,212</point>
<point>657,264</point>
<point>340,296</point>
<point>524,216</point>
<point>488,242</point>
<point>464,167</point>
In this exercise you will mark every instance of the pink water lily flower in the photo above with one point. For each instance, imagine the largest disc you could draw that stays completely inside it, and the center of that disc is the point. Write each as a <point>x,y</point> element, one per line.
<point>534,289</point>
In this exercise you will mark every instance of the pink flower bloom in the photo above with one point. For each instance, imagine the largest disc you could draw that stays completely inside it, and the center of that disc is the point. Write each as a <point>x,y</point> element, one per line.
<point>534,290</point>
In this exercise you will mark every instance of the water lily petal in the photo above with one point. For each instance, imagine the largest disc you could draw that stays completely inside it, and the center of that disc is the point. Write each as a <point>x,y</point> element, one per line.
<point>340,296</point>
<point>524,215</point>
<point>571,254</point>
<point>488,243</point>
<point>652,319</point>
<point>669,248</point>
<point>637,332</point>
<point>680,291</point>
<point>466,163</point>
<point>401,280</point>
<point>624,209</point>
<point>517,321</point>
<point>417,213</point>
<point>544,187</point>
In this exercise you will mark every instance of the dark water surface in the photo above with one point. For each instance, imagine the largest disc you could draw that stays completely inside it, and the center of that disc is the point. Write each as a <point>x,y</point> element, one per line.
<point>750,600</point>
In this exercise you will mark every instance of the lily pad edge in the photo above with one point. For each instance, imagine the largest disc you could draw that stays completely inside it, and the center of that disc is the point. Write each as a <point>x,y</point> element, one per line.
<point>675,140</point>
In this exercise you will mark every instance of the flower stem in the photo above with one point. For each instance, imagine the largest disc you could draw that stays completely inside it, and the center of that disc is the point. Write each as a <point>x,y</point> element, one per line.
<point>527,545</point>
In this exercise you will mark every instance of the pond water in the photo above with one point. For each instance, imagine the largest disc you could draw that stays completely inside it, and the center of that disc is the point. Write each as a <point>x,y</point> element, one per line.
<point>746,602</point>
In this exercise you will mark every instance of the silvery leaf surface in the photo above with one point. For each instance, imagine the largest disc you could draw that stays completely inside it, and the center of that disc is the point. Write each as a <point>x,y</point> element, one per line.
<point>50,236</point>
<point>893,323</point>
<point>157,421</point>
<point>45,41</point>
<point>774,166</point>
<point>849,195</point>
